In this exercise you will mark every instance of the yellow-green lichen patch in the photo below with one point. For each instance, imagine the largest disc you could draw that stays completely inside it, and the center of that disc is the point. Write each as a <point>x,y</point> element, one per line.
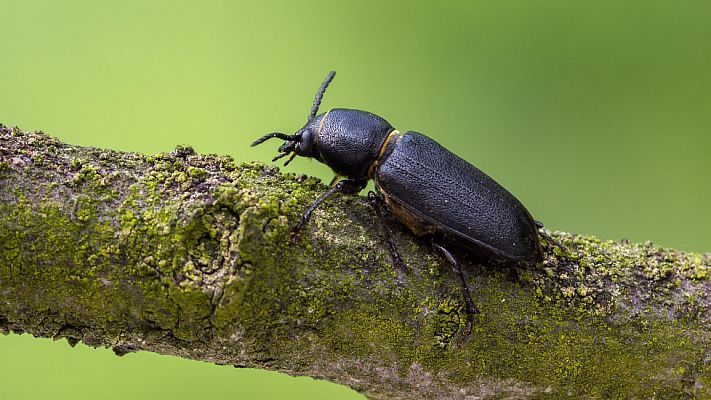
<point>519,338</point>
<point>152,262</point>
<point>371,332</point>
<point>601,276</point>
<point>46,251</point>
<point>191,255</point>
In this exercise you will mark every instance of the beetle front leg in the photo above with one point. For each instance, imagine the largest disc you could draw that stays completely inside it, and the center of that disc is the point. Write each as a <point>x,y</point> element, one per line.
<point>345,186</point>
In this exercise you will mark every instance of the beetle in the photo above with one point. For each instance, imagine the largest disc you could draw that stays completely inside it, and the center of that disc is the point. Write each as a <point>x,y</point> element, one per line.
<point>426,187</point>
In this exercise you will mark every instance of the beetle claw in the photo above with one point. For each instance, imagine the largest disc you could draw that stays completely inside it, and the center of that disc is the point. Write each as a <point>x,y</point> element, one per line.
<point>549,239</point>
<point>294,236</point>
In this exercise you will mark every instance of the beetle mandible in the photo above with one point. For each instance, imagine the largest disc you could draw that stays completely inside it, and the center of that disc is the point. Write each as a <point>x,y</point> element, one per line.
<point>429,189</point>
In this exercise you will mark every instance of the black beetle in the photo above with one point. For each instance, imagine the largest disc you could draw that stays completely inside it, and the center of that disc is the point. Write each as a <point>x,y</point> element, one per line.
<point>426,187</point>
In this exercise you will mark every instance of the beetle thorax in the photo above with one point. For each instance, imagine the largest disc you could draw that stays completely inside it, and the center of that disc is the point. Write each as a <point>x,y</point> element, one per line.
<point>348,141</point>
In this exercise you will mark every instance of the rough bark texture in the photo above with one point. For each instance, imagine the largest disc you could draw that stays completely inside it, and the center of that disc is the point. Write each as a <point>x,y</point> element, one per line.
<point>187,254</point>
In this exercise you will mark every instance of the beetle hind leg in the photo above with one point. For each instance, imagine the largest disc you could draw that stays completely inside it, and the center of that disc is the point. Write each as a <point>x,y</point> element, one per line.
<point>471,309</point>
<point>377,203</point>
<point>548,238</point>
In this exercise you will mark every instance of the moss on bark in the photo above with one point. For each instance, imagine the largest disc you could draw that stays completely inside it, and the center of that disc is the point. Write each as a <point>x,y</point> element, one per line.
<point>188,254</point>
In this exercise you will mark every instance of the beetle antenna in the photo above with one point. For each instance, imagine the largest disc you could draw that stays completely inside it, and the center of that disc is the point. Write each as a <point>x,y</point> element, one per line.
<point>319,94</point>
<point>282,136</point>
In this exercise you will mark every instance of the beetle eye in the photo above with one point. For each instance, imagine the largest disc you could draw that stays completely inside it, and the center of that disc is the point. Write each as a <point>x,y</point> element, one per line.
<point>304,146</point>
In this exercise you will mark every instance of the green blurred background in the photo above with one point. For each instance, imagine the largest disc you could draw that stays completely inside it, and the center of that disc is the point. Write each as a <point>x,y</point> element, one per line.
<point>595,114</point>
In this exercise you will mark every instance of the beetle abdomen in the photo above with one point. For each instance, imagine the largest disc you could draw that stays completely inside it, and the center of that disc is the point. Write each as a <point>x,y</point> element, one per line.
<point>435,185</point>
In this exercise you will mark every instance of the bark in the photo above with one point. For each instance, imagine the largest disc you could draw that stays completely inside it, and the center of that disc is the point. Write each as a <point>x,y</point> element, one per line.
<point>188,255</point>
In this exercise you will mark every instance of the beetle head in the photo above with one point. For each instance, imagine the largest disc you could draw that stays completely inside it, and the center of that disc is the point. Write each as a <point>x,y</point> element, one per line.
<point>300,143</point>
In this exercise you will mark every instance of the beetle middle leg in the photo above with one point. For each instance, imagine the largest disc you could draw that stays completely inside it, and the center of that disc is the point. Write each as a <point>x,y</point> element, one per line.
<point>471,309</point>
<point>346,186</point>
<point>377,203</point>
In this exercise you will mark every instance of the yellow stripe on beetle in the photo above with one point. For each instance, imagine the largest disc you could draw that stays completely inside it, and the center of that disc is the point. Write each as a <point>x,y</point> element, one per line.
<point>384,146</point>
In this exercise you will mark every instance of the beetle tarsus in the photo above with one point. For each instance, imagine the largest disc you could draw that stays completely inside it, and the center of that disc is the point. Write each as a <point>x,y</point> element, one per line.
<point>334,180</point>
<point>345,186</point>
<point>548,238</point>
<point>471,309</point>
<point>377,203</point>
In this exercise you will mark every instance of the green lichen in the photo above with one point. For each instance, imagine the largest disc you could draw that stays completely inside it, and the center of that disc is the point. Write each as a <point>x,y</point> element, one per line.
<point>518,337</point>
<point>86,272</point>
<point>69,267</point>
<point>86,173</point>
<point>155,256</point>
<point>197,173</point>
<point>75,164</point>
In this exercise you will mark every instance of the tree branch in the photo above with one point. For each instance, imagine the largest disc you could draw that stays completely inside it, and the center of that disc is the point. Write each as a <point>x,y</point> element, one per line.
<point>188,255</point>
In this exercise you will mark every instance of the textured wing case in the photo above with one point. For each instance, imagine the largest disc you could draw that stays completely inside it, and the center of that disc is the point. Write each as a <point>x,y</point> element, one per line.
<point>438,186</point>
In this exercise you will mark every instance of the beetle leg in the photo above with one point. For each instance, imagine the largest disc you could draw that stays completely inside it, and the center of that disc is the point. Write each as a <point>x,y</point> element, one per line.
<point>345,186</point>
<point>469,303</point>
<point>377,203</point>
<point>334,180</point>
<point>548,238</point>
